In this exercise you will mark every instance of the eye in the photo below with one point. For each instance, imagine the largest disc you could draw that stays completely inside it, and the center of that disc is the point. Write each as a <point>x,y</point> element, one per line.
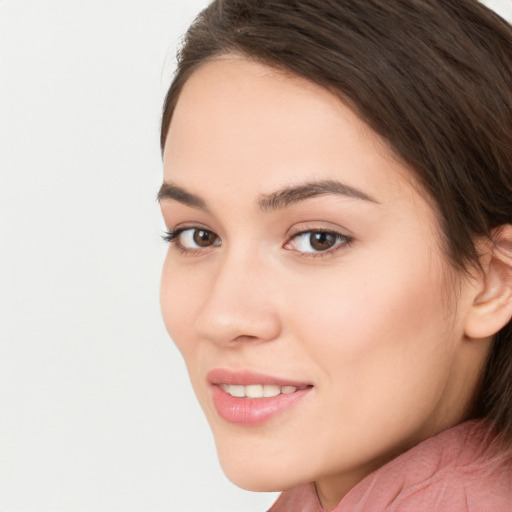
<point>192,239</point>
<point>315,241</point>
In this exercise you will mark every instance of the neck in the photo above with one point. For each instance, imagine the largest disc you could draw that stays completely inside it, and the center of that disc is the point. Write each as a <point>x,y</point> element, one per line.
<point>332,489</point>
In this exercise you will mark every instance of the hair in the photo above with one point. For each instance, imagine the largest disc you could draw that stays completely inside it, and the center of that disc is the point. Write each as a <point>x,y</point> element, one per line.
<point>432,77</point>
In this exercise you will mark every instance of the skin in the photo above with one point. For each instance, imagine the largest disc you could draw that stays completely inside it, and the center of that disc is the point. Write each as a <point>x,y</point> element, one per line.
<point>376,323</point>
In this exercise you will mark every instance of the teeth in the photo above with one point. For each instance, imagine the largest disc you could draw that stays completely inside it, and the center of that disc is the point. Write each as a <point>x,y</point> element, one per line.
<point>237,390</point>
<point>257,390</point>
<point>271,390</point>
<point>254,391</point>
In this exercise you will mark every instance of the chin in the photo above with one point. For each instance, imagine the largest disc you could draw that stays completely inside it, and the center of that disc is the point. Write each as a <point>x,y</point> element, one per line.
<point>258,479</point>
<point>259,471</point>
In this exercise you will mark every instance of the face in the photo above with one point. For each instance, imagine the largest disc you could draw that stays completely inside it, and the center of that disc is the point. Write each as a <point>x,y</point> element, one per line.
<point>304,283</point>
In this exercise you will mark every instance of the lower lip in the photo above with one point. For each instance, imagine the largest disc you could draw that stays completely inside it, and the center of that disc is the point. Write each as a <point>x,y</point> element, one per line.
<point>253,411</point>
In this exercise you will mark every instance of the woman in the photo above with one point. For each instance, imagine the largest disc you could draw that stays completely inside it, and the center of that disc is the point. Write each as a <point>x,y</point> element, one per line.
<point>338,196</point>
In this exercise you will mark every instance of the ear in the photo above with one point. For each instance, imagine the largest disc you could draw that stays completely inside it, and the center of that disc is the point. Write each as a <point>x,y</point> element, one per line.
<point>492,306</point>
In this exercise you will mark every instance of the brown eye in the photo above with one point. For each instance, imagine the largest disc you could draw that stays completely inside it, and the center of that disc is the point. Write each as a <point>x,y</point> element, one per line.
<point>322,241</point>
<point>317,241</point>
<point>203,238</point>
<point>193,239</point>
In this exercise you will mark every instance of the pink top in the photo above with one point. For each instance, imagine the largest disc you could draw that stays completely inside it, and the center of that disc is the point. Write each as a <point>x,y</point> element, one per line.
<point>458,470</point>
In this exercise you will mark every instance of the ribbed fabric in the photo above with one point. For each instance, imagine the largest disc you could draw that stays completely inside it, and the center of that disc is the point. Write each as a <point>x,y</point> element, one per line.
<point>459,470</point>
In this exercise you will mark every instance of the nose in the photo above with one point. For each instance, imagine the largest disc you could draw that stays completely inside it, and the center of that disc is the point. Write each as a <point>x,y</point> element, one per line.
<point>241,305</point>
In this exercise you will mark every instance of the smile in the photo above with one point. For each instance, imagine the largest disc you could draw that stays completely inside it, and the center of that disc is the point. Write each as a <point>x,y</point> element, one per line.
<point>258,390</point>
<point>248,398</point>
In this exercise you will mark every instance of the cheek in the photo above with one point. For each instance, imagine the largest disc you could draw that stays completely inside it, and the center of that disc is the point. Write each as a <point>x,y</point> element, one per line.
<point>374,325</point>
<point>382,350</point>
<point>179,301</point>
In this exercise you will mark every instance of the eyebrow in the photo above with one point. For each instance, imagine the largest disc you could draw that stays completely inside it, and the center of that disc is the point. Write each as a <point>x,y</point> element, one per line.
<point>169,190</point>
<point>291,195</point>
<point>273,201</point>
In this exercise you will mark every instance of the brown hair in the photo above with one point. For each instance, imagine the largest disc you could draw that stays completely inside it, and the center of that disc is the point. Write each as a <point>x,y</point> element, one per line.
<point>432,77</point>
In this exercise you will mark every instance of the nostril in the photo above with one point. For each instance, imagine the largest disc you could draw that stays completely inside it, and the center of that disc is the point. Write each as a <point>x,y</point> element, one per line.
<point>237,325</point>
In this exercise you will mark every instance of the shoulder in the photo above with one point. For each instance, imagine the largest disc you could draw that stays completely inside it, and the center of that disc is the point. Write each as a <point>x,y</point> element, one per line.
<point>461,469</point>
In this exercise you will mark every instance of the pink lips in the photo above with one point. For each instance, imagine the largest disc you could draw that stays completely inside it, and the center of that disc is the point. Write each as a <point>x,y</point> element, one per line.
<point>252,411</point>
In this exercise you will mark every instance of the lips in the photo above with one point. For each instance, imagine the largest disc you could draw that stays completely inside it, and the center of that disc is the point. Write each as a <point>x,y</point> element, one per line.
<point>249,398</point>
<point>246,378</point>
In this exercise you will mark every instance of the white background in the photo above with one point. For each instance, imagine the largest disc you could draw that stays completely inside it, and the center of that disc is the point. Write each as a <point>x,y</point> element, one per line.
<point>96,411</point>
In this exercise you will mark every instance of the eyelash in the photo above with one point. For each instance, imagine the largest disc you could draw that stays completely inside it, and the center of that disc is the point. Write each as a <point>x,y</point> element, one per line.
<point>172,236</point>
<point>341,241</point>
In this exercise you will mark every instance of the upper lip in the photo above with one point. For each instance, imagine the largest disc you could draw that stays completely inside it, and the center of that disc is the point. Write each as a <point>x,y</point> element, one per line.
<point>248,377</point>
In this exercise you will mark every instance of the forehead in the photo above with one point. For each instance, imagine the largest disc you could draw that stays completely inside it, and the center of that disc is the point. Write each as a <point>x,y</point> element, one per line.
<point>243,125</point>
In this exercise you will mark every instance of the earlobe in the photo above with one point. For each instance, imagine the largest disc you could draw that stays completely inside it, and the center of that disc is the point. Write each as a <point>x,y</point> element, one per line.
<point>492,306</point>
